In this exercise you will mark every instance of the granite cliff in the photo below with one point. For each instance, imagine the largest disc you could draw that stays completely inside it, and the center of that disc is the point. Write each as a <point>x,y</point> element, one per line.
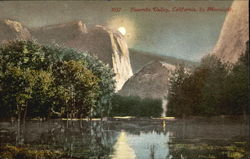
<point>10,30</point>
<point>152,81</point>
<point>59,33</point>
<point>110,47</point>
<point>234,33</point>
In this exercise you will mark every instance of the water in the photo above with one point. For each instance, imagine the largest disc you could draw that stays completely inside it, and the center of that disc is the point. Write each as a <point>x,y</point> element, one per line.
<point>133,139</point>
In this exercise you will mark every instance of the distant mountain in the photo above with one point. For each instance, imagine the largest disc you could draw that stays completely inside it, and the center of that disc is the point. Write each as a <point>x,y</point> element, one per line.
<point>10,29</point>
<point>234,33</point>
<point>151,81</point>
<point>139,59</point>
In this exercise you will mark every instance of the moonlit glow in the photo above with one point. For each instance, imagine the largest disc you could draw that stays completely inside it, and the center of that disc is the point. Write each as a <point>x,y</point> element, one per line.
<point>122,30</point>
<point>122,149</point>
<point>125,26</point>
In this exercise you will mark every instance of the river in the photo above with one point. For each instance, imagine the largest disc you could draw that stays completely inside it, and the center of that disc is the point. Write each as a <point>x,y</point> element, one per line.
<point>133,138</point>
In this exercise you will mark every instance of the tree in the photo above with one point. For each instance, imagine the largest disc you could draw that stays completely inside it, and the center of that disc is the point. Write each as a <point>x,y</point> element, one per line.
<point>20,62</point>
<point>17,85</point>
<point>199,93</point>
<point>175,97</point>
<point>41,94</point>
<point>98,68</point>
<point>236,91</point>
<point>76,86</point>
<point>214,88</point>
<point>53,80</point>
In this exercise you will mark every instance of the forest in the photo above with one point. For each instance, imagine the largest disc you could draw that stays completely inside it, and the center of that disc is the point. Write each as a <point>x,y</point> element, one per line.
<point>213,88</point>
<point>58,82</point>
<point>52,81</point>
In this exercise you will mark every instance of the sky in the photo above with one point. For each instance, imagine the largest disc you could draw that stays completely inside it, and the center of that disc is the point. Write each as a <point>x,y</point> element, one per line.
<point>188,35</point>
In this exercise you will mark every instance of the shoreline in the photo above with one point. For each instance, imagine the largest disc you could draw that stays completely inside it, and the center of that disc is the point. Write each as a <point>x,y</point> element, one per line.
<point>132,118</point>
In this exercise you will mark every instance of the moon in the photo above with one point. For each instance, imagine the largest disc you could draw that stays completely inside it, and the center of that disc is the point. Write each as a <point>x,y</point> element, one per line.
<point>125,26</point>
<point>122,30</point>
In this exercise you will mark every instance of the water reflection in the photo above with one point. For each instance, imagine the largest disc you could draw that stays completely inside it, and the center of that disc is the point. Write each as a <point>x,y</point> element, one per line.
<point>126,139</point>
<point>151,145</point>
<point>145,145</point>
<point>122,149</point>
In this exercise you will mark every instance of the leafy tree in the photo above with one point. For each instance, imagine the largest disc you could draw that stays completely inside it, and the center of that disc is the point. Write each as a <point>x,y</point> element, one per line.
<point>20,64</point>
<point>47,80</point>
<point>201,92</point>
<point>102,71</point>
<point>213,88</point>
<point>76,86</point>
<point>23,54</point>
<point>175,93</point>
<point>17,85</point>
<point>41,95</point>
<point>236,92</point>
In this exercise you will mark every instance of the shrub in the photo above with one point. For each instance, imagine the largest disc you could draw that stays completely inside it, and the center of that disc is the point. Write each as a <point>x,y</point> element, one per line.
<point>135,106</point>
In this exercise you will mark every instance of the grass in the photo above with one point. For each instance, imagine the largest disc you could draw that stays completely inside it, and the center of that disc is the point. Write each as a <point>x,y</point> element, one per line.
<point>209,150</point>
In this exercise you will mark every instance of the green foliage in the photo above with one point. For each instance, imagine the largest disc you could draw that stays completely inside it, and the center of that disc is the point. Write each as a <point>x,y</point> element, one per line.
<point>42,93</point>
<point>106,76</point>
<point>213,150</point>
<point>212,89</point>
<point>13,152</point>
<point>38,80</point>
<point>236,92</point>
<point>16,86</point>
<point>176,104</point>
<point>76,86</point>
<point>135,106</point>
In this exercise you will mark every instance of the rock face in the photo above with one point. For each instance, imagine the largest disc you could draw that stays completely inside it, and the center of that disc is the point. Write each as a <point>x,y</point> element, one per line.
<point>108,45</point>
<point>139,59</point>
<point>234,34</point>
<point>59,33</point>
<point>10,30</point>
<point>152,81</point>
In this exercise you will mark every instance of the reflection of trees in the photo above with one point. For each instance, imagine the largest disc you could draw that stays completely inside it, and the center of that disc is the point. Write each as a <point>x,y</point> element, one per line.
<point>152,152</point>
<point>146,126</point>
<point>101,140</point>
<point>80,138</point>
<point>85,139</point>
<point>76,138</point>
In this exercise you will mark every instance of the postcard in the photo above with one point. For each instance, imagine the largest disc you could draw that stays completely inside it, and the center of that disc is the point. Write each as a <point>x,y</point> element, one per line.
<point>125,79</point>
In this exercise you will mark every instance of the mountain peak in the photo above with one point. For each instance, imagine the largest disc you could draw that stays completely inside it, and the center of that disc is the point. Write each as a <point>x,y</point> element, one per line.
<point>11,29</point>
<point>151,81</point>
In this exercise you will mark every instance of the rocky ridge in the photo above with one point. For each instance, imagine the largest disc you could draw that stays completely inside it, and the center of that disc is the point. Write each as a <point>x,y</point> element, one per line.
<point>234,33</point>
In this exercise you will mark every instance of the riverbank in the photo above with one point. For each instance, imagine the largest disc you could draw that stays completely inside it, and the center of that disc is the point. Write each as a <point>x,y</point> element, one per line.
<point>80,139</point>
<point>133,118</point>
<point>28,152</point>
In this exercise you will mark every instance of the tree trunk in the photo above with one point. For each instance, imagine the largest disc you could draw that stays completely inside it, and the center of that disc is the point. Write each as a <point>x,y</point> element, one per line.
<point>18,137</point>
<point>25,113</point>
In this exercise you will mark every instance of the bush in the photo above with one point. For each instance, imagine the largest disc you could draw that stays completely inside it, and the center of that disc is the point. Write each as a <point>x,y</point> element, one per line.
<point>13,152</point>
<point>135,106</point>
